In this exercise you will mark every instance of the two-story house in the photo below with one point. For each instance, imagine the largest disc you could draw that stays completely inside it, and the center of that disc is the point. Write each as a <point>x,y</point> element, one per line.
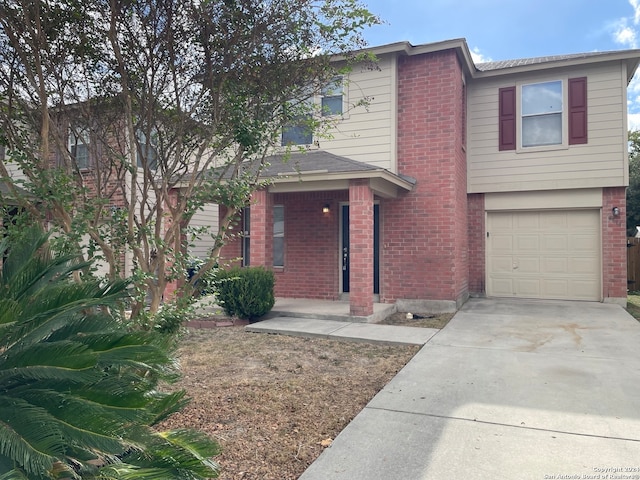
<point>503,179</point>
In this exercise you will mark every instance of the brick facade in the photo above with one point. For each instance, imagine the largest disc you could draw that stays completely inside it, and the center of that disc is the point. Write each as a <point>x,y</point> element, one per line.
<point>425,252</point>
<point>432,238</point>
<point>311,263</point>
<point>477,244</point>
<point>614,245</point>
<point>361,247</point>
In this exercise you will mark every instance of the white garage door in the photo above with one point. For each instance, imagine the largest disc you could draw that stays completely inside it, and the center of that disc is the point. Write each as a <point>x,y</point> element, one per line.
<point>544,254</point>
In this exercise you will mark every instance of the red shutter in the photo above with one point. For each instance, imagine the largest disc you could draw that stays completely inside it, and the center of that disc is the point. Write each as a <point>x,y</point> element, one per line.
<point>577,110</point>
<point>507,129</point>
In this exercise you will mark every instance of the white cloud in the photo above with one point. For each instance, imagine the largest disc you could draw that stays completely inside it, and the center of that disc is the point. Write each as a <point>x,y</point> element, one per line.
<point>479,57</point>
<point>635,4</point>
<point>633,121</point>
<point>626,36</point>
<point>625,30</point>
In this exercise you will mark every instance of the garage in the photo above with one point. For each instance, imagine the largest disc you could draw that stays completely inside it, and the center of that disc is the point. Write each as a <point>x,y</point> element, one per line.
<point>550,254</point>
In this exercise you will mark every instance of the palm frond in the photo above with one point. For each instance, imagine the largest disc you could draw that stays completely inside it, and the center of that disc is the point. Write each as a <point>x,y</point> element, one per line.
<point>78,391</point>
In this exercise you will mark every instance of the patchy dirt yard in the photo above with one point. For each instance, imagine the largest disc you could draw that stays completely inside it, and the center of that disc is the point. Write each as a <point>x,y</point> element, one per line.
<point>275,402</point>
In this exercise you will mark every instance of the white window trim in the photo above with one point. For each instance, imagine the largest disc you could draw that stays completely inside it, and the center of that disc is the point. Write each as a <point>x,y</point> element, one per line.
<point>283,236</point>
<point>565,115</point>
<point>343,84</point>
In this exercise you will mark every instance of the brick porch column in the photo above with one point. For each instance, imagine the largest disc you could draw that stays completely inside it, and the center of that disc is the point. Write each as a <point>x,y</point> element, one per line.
<point>261,229</point>
<point>361,246</point>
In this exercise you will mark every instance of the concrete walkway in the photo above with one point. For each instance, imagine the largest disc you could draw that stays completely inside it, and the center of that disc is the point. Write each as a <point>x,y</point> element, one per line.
<point>507,390</point>
<point>340,330</point>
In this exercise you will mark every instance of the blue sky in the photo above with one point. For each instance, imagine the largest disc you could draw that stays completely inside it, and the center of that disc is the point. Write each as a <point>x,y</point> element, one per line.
<point>509,29</point>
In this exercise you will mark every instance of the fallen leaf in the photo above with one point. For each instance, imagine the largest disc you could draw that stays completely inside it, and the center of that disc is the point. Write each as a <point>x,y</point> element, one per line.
<point>326,442</point>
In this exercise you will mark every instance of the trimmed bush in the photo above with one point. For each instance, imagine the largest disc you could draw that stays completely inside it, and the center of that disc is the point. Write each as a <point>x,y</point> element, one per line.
<point>246,293</point>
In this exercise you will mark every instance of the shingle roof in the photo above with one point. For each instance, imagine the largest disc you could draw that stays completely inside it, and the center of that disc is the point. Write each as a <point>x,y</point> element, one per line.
<point>317,162</point>
<point>501,64</point>
<point>313,161</point>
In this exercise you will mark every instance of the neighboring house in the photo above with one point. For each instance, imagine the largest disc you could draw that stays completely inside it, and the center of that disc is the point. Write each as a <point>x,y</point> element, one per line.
<point>503,179</point>
<point>87,152</point>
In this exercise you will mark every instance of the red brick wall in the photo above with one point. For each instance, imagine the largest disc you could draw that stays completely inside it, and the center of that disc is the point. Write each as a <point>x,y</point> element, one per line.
<point>614,243</point>
<point>424,240</point>
<point>361,247</point>
<point>477,245</point>
<point>311,268</point>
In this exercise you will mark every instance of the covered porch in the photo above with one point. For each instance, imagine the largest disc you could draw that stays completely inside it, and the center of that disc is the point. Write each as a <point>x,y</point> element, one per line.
<point>323,241</point>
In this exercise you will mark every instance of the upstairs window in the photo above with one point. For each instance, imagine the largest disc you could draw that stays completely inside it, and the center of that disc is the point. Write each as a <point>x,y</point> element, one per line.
<point>331,98</point>
<point>542,108</point>
<point>147,150</point>
<point>298,132</point>
<point>79,141</point>
<point>543,114</point>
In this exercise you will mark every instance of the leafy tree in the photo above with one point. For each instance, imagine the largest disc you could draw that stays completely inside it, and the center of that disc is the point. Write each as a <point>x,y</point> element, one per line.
<point>79,392</point>
<point>122,118</point>
<point>633,191</point>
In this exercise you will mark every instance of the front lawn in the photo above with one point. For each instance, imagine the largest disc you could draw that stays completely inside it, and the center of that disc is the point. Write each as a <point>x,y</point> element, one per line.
<point>275,402</point>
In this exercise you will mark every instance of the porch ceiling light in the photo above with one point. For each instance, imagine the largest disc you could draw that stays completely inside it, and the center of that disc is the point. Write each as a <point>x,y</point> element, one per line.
<point>326,208</point>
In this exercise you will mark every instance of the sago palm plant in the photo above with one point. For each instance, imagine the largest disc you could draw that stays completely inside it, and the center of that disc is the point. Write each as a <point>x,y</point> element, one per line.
<point>79,391</point>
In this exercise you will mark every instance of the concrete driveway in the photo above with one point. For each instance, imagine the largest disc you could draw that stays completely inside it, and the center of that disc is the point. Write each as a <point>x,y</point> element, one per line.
<point>510,389</point>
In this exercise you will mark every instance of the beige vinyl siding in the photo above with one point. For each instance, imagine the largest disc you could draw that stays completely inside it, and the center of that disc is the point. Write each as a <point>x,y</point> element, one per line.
<point>367,134</point>
<point>207,217</point>
<point>601,162</point>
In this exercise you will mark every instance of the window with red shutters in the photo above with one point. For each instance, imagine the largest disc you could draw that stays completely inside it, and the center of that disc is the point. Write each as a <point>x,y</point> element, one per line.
<point>507,107</point>
<point>576,116</point>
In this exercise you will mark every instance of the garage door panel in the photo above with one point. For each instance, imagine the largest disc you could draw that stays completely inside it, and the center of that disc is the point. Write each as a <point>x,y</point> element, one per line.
<point>503,221</point>
<point>527,265</point>
<point>501,265</point>
<point>554,220</point>
<point>585,243</point>
<point>555,288</point>
<point>503,243</point>
<point>555,243</point>
<point>559,265</point>
<point>527,243</point>
<point>544,254</point>
<point>527,221</point>
<point>502,286</point>
<point>582,219</point>
<point>584,289</point>
<point>528,287</point>
<point>583,265</point>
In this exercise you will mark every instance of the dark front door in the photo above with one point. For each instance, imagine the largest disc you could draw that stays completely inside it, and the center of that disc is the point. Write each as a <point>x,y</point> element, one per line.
<point>345,252</point>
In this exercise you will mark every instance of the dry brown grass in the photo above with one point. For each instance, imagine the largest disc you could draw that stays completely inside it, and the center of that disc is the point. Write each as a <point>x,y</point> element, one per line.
<point>274,402</point>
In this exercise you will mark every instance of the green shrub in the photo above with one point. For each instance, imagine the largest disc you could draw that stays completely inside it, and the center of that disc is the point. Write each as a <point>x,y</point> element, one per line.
<point>245,292</point>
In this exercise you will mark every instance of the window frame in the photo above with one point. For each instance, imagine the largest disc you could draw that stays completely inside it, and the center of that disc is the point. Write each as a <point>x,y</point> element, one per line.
<point>564,116</point>
<point>83,133</point>
<point>141,143</point>
<point>326,93</point>
<point>298,127</point>
<point>279,235</point>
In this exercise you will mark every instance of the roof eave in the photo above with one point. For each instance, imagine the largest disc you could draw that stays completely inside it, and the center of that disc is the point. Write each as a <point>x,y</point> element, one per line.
<point>631,57</point>
<point>382,182</point>
<point>406,48</point>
